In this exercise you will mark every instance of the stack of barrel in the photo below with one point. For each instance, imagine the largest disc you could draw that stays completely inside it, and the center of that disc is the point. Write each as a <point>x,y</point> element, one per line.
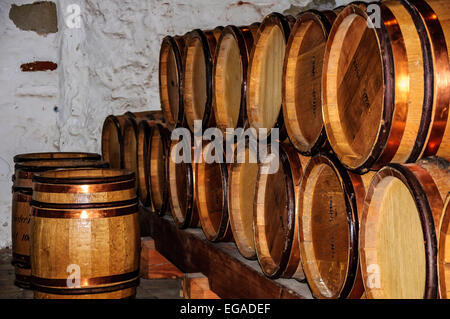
<point>67,209</point>
<point>359,205</point>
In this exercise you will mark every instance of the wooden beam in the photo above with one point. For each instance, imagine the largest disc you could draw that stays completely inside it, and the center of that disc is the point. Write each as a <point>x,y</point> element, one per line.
<point>230,275</point>
<point>154,265</point>
<point>196,286</point>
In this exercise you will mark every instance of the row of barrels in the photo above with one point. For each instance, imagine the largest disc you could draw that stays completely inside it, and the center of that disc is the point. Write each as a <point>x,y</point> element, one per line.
<point>379,235</point>
<point>348,96</point>
<point>75,229</point>
<point>373,92</point>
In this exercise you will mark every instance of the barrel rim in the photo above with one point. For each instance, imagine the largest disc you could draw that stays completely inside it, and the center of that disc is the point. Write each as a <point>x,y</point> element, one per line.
<point>122,175</point>
<point>404,174</point>
<point>142,162</point>
<point>223,232</point>
<point>282,22</point>
<point>113,120</point>
<point>243,46</point>
<point>442,243</point>
<point>208,52</point>
<point>311,15</point>
<point>427,104</point>
<point>174,45</point>
<point>245,252</point>
<point>441,93</point>
<point>190,219</point>
<point>165,138</point>
<point>278,270</point>
<point>352,217</point>
<point>28,157</point>
<point>387,63</point>
<point>31,166</point>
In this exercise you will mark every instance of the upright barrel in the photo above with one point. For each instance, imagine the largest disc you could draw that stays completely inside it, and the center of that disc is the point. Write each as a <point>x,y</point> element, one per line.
<point>443,252</point>
<point>265,72</point>
<point>302,81</point>
<point>181,181</point>
<point>197,77</point>
<point>22,192</point>
<point>159,137</point>
<point>211,189</point>
<point>170,77</point>
<point>241,195</point>
<point>383,98</point>
<point>230,76</point>
<point>275,220</point>
<point>399,230</point>
<point>85,234</point>
<point>330,202</point>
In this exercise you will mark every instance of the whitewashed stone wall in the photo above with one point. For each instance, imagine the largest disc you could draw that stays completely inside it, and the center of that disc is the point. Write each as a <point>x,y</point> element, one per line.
<point>107,66</point>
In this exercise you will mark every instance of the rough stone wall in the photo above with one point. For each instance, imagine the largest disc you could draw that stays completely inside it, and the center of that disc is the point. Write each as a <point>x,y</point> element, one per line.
<point>27,99</point>
<point>109,65</point>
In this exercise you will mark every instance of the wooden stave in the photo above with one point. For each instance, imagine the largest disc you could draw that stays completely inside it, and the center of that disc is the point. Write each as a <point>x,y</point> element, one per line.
<point>224,233</point>
<point>189,218</point>
<point>177,45</point>
<point>325,19</point>
<point>130,136</point>
<point>284,23</point>
<point>438,130</point>
<point>429,205</point>
<point>442,247</point>
<point>116,123</point>
<point>353,187</point>
<point>208,40</point>
<point>22,193</point>
<point>165,138</point>
<point>113,286</point>
<point>142,162</point>
<point>244,38</point>
<point>247,250</point>
<point>290,265</point>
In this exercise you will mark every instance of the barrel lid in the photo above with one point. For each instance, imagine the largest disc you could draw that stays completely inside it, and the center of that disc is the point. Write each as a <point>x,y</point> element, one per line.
<point>27,157</point>
<point>84,176</point>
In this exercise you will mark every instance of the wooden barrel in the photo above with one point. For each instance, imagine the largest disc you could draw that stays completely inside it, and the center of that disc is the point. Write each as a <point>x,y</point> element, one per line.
<point>265,72</point>
<point>443,252</point>
<point>302,81</point>
<point>170,76</point>
<point>182,196</point>
<point>329,205</point>
<point>399,230</point>
<point>241,195</point>
<point>113,134</point>
<point>396,103</point>
<point>275,220</point>
<point>230,77</point>
<point>159,137</point>
<point>20,158</point>
<point>143,162</point>
<point>130,145</point>
<point>85,239</point>
<point>20,212</point>
<point>211,196</point>
<point>436,17</point>
<point>198,76</point>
